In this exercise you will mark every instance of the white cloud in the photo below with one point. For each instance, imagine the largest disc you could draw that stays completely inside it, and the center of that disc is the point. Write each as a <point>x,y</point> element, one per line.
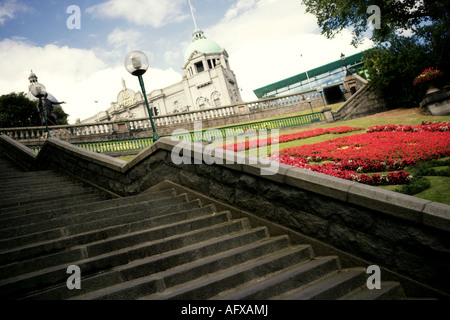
<point>127,39</point>
<point>239,7</point>
<point>76,76</point>
<point>265,40</point>
<point>154,13</point>
<point>9,9</point>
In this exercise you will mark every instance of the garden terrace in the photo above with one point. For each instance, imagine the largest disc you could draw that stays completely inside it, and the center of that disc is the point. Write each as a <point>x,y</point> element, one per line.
<point>407,237</point>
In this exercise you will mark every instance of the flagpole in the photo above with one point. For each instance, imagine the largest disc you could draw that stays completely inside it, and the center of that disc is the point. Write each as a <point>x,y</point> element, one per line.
<point>192,12</point>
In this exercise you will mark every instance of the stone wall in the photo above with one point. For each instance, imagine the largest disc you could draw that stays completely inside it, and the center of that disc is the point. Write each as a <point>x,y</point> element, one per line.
<point>408,235</point>
<point>366,101</point>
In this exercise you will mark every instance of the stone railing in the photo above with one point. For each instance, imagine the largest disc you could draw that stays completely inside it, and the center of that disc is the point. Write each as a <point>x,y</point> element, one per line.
<point>112,130</point>
<point>296,98</point>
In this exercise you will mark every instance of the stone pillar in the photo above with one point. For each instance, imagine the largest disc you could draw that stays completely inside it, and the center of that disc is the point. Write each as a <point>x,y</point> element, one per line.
<point>437,103</point>
<point>350,86</point>
<point>327,114</point>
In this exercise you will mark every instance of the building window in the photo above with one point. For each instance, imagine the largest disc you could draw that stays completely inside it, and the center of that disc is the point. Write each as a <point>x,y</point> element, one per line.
<point>212,63</point>
<point>199,66</point>
<point>201,103</point>
<point>215,97</point>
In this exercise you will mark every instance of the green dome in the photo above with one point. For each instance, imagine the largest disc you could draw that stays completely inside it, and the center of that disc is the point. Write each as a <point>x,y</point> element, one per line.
<point>201,44</point>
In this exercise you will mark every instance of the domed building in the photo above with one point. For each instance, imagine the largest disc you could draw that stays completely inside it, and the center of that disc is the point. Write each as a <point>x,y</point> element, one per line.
<point>201,44</point>
<point>208,82</point>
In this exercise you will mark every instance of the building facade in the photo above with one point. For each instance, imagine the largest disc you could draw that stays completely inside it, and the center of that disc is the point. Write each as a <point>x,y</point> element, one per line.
<point>207,82</point>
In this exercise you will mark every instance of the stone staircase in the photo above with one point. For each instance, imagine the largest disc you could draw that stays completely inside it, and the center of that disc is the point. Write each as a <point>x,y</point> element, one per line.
<point>158,245</point>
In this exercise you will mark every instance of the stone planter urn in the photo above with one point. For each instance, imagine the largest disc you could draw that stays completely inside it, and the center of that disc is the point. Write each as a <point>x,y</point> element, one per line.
<point>437,102</point>
<point>432,88</point>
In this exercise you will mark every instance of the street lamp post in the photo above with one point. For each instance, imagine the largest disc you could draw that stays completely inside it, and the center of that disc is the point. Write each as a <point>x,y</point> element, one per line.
<point>313,117</point>
<point>344,61</point>
<point>38,90</point>
<point>136,63</point>
<point>310,105</point>
<point>320,91</point>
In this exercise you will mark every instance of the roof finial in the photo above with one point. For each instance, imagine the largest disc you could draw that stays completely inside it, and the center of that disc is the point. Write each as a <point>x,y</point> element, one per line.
<point>192,12</point>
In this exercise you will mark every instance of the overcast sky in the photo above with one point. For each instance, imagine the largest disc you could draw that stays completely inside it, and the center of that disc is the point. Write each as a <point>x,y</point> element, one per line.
<point>81,63</point>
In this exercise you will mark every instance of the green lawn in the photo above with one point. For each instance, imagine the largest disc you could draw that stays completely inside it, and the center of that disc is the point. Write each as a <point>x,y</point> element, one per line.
<point>438,192</point>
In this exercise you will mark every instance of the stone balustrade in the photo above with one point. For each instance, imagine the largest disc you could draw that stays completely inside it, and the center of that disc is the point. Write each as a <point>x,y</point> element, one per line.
<point>101,130</point>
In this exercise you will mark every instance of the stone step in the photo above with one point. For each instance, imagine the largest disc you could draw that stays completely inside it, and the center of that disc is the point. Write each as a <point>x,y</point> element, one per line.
<point>300,278</point>
<point>225,276</point>
<point>36,183</point>
<point>52,205</point>
<point>158,246</point>
<point>188,272</point>
<point>40,279</point>
<point>64,232</point>
<point>112,280</point>
<point>389,291</point>
<point>333,286</point>
<point>29,184</point>
<point>65,192</point>
<point>94,247</point>
<point>58,208</point>
<point>45,221</point>
<point>101,230</point>
<point>45,180</point>
<point>9,177</point>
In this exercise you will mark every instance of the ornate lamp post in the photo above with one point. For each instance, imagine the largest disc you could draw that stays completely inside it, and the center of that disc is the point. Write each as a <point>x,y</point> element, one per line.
<point>345,64</point>
<point>38,90</point>
<point>310,105</point>
<point>320,91</point>
<point>136,63</point>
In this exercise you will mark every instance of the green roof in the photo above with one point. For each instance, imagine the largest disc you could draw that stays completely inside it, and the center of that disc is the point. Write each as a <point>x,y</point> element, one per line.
<point>354,59</point>
<point>201,44</point>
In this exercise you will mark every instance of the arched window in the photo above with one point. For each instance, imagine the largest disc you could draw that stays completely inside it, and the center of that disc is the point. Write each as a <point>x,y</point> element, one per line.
<point>202,103</point>
<point>215,98</point>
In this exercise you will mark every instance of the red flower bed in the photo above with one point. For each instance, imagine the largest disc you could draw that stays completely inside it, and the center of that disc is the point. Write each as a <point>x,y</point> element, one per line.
<point>257,143</point>
<point>383,148</point>
<point>425,126</point>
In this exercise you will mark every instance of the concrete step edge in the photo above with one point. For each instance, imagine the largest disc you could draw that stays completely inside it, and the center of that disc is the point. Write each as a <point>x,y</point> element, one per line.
<point>25,283</point>
<point>225,279</point>
<point>98,283</point>
<point>105,203</point>
<point>58,233</point>
<point>298,275</point>
<point>55,219</point>
<point>389,291</point>
<point>342,281</point>
<point>115,243</point>
<point>53,246</point>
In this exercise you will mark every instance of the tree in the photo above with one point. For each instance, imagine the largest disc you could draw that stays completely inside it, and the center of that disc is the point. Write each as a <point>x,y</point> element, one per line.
<point>62,116</point>
<point>395,16</point>
<point>16,111</point>
<point>412,36</point>
<point>392,67</point>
